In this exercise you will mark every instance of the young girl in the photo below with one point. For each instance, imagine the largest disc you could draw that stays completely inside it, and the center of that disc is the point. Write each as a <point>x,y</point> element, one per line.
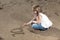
<point>40,20</point>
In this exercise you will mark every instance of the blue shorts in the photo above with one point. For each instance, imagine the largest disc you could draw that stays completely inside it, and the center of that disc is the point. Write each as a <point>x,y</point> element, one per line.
<point>38,27</point>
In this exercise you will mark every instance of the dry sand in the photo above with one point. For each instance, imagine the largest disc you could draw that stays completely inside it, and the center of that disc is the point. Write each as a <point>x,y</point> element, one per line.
<point>13,13</point>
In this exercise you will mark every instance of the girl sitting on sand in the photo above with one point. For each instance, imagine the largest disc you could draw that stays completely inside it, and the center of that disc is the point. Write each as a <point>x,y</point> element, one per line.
<point>40,20</point>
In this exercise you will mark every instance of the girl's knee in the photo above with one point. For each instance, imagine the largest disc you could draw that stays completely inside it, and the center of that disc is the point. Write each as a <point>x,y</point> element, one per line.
<point>34,25</point>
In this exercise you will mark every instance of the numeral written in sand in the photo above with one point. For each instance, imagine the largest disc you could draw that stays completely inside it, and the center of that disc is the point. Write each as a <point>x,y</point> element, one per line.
<point>16,31</point>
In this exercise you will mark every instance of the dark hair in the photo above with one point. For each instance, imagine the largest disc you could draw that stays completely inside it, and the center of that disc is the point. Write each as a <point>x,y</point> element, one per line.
<point>36,6</point>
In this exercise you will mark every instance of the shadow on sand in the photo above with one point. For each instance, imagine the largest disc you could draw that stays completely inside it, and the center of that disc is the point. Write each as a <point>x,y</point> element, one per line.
<point>50,32</point>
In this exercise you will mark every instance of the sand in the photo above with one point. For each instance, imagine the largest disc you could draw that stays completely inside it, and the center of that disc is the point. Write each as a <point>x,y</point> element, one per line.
<point>13,13</point>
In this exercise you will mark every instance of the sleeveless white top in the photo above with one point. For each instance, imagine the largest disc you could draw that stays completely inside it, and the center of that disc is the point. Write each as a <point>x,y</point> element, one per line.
<point>45,22</point>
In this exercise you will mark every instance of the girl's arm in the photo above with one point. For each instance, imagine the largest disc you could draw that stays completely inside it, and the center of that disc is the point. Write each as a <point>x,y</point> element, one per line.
<point>28,22</point>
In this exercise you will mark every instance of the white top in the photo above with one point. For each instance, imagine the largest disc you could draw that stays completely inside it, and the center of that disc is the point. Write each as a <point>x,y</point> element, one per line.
<point>45,22</point>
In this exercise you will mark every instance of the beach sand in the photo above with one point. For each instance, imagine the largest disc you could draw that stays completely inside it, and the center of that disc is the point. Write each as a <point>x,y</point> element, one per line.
<point>13,13</point>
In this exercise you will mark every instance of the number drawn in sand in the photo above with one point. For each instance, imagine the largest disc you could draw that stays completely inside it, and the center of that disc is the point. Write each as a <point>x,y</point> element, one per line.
<point>16,31</point>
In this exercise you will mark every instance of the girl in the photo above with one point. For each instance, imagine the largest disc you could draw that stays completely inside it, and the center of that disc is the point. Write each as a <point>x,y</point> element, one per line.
<point>40,20</point>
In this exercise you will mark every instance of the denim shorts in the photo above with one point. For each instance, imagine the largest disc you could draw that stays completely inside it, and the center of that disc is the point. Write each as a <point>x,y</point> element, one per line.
<point>38,27</point>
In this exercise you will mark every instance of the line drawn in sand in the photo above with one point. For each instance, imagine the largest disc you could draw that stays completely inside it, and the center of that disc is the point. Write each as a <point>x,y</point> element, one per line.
<point>17,31</point>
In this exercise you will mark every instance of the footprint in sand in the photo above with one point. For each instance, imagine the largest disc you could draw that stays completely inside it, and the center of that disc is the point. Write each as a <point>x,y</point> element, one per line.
<point>1,6</point>
<point>1,38</point>
<point>56,14</point>
<point>30,1</point>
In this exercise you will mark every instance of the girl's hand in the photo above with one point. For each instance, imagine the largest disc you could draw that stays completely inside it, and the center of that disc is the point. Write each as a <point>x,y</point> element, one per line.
<point>25,24</point>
